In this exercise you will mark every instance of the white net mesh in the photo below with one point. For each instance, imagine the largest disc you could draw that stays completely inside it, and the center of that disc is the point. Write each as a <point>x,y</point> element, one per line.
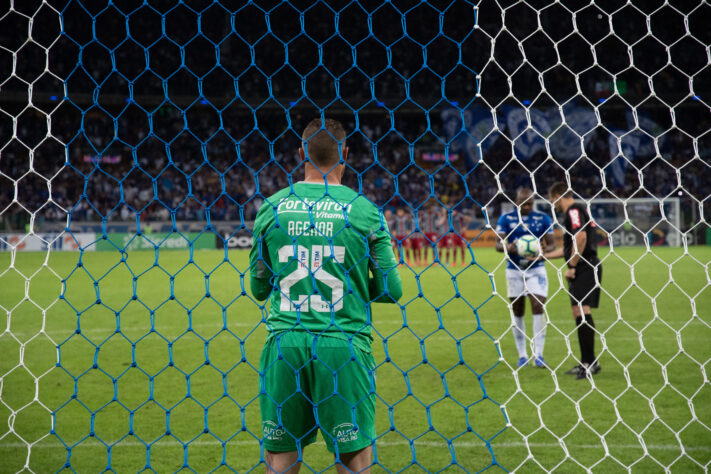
<point>611,97</point>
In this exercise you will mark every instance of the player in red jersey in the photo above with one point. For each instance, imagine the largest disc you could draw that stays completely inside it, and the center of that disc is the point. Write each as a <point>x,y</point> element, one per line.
<point>454,241</point>
<point>403,229</point>
<point>418,240</point>
<point>390,219</point>
<point>429,228</point>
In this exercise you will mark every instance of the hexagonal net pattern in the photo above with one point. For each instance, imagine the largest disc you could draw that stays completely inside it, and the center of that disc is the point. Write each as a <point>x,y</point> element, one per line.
<point>176,297</point>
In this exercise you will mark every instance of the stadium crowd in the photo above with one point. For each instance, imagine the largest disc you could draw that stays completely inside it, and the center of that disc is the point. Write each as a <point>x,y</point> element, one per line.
<point>217,91</point>
<point>172,171</point>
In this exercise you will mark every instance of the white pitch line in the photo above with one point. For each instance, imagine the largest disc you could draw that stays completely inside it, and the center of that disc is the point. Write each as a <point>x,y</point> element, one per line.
<point>464,444</point>
<point>436,444</point>
<point>242,324</point>
<point>437,337</point>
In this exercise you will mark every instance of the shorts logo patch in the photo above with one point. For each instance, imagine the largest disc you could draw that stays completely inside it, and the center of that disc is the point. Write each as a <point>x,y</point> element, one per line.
<point>272,431</point>
<point>345,432</point>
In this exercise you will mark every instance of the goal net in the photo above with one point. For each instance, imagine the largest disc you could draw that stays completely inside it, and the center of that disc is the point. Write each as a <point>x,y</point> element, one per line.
<point>138,141</point>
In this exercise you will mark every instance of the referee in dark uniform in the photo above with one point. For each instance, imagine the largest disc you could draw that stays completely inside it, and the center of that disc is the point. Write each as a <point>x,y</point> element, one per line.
<point>584,272</point>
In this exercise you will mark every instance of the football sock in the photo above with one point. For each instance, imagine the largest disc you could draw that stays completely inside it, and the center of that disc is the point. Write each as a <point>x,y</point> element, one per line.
<point>519,333</point>
<point>590,338</point>
<point>539,334</point>
<point>586,338</point>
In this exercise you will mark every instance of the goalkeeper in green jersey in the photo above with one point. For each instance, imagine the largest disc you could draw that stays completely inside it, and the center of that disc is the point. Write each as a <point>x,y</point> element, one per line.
<point>322,253</point>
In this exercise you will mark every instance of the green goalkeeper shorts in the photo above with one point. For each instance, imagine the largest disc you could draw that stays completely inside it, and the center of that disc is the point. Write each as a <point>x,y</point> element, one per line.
<point>313,382</point>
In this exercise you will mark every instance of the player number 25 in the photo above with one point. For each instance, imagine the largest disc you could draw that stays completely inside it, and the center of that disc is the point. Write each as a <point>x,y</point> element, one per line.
<point>308,260</point>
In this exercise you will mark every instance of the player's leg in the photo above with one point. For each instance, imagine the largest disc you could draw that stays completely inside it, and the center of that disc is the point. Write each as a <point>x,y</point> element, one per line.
<point>518,308</point>
<point>447,251</point>
<point>439,248</point>
<point>282,463</point>
<point>539,328</point>
<point>417,249</point>
<point>435,247</point>
<point>407,250</point>
<point>442,249</point>
<point>396,247</point>
<point>405,255</point>
<point>517,296</point>
<point>346,412</point>
<point>400,242</point>
<point>536,281</point>
<point>424,245</point>
<point>356,462</point>
<point>288,424</point>
<point>584,295</point>
<point>425,251</point>
<point>454,244</point>
<point>464,251</point>
<point>452,249</point>
<point>431,245</point>
<point>586,339</point>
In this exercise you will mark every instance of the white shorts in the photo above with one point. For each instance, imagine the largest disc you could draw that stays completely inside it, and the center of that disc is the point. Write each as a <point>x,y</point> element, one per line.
<point>527,282</point>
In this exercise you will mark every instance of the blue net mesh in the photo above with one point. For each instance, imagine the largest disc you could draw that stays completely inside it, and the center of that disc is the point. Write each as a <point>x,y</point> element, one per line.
<point>176,120</point>
<point>144,137</point>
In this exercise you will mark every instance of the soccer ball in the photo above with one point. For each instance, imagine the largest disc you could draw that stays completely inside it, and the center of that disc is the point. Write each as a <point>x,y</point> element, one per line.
<point>528,246</point>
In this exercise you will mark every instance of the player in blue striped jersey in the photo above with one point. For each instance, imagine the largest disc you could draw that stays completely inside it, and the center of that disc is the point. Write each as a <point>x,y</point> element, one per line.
<point>525,276</point>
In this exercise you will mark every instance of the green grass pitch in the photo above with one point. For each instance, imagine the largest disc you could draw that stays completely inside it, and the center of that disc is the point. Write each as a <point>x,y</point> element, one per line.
<point>651,404</point>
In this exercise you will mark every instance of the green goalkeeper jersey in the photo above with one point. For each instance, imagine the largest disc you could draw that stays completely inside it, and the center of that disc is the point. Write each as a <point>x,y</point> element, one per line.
<point>324,254</point>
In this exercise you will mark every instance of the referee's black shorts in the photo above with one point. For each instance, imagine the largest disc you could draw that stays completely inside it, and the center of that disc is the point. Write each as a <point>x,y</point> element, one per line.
<point>584,289</point>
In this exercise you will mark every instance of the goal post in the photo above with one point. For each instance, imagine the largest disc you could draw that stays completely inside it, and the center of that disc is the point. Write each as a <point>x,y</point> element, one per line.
<point>630,222</point>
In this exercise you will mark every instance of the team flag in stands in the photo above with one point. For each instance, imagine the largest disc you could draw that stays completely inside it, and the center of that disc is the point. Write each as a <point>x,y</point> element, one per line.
<point>528,128</point>
<point>623,148</point>
<point>477,129</point>
<point>648,131</point>
<point>565,142</point>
